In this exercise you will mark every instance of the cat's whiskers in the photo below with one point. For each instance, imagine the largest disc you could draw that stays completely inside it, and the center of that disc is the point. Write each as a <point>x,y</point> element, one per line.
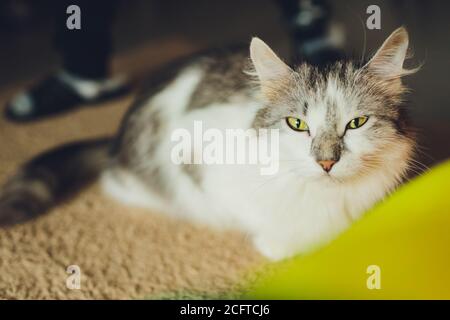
<point>422,150</point>
<point>418,163</point>
<point>416,170</point>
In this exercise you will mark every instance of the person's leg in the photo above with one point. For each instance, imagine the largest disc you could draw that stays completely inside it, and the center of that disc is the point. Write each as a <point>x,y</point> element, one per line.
<point>308,22</point>
<point>84,77</point>
<point>86,52</point>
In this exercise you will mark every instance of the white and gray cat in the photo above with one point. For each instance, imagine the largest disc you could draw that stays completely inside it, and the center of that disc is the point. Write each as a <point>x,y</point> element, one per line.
<point>345,143</point>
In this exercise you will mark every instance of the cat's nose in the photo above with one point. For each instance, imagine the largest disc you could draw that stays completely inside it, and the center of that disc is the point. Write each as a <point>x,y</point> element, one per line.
<point>326,164</point>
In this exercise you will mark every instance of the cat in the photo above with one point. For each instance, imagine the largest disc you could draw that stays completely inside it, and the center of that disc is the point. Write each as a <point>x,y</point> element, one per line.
<point>344,144</point>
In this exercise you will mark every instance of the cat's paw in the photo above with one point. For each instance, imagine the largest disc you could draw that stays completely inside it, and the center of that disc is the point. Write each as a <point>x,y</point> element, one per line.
<point>273,250</point>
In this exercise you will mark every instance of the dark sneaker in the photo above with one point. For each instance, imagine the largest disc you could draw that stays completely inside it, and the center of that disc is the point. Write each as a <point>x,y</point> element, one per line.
<point>55,95</point>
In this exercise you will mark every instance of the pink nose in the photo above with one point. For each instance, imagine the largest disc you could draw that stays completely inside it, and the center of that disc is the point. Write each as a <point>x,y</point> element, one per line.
<point>326,164</point>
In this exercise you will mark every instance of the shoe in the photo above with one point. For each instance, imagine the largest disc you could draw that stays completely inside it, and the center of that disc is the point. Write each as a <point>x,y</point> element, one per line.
<point>60,93</point>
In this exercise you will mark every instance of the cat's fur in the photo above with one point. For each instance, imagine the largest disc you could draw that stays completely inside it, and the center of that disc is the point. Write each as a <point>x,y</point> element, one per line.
<point>300,207</point>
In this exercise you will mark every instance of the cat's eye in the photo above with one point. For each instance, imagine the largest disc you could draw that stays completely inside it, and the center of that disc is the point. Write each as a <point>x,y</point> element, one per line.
<point>297,124</point>
<point>357,122</point>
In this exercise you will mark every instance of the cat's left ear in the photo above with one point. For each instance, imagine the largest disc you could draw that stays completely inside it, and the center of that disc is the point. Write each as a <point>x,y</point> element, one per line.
<point>268,66</point>
<point>387,62</point>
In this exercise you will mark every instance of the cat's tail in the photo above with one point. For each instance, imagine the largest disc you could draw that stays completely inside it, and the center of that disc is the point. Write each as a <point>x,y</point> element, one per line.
<point>51,177</point>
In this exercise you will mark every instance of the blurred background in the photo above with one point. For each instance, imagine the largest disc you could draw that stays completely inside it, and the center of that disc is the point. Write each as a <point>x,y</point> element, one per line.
<point>150,33</point>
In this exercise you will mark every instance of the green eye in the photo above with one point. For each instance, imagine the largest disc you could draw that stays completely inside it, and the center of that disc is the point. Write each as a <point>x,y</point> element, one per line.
<point>357,122</point>
<point>297,124</point>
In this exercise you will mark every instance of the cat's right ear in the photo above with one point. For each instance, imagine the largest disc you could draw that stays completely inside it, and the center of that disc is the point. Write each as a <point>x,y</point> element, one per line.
<point>268,66</point>
<point>387,63</point>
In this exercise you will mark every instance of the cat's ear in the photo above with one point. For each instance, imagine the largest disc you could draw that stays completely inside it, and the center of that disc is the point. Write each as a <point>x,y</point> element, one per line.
<point>388,61</point>
<point>268,65</point>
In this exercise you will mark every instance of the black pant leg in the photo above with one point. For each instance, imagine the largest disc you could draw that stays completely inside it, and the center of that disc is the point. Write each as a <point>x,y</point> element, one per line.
<point>308,22</point>
<point>86,52</point>
<point>306,19</point>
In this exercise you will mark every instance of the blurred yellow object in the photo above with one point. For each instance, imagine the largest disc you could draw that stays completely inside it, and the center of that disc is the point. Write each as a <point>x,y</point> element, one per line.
<point>402,245</point>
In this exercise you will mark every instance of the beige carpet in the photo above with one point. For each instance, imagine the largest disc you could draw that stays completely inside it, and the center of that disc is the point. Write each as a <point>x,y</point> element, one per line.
<point>122,252</point>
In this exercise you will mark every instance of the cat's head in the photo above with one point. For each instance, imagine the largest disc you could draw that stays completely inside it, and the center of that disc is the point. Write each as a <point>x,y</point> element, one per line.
<point>340,124</point>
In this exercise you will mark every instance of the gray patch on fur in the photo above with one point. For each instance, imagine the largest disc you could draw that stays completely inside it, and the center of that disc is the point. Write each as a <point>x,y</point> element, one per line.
<point>224,80</point>
<point>194,173</point>
<point>138,145</point>
<point>327,146</point>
